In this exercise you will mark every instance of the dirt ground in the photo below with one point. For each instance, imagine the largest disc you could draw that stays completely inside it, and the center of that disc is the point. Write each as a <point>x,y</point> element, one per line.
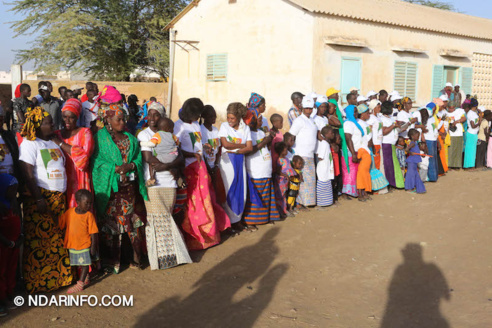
<point>401,260</point>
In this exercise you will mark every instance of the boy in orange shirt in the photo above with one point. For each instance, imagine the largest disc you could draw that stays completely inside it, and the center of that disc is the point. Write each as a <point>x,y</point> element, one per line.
<point>80,237</point>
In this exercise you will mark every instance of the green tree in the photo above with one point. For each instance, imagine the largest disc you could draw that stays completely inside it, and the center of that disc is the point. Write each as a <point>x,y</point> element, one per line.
<point>105,39</point>
<point>436,4</point>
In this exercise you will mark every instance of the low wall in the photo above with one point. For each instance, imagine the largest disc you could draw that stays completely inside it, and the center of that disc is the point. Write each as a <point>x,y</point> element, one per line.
<point>143,90</point>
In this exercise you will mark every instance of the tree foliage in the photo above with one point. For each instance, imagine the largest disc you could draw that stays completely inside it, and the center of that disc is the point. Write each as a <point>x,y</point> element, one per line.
<point>105,39</point>
<point>436,4</point>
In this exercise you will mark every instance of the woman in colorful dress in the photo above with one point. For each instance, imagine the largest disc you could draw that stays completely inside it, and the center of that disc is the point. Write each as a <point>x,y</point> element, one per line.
<point>46,262</point>
<point>392,169</point>
<point>165,244</point>
<point>235,139</point>
<point>118,171</point>
<point>260,207</point>
<point>204,218</point>
<point>474,120</point>
<point>257,104</point>
<point>306,133</point>
<point>77,145</point>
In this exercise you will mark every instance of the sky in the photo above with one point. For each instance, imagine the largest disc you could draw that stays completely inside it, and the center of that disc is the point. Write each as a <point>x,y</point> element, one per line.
<point>481,8</point>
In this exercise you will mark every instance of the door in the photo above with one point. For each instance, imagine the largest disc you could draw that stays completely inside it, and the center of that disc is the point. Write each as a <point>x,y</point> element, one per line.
<point>351,76</point>
<point>450,75</point>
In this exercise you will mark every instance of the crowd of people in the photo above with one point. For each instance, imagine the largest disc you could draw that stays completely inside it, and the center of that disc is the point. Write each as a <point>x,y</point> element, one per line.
<point>104,183</point>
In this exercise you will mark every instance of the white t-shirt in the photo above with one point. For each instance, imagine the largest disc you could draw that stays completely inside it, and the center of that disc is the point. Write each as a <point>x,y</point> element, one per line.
<point>190,137</point>
<point>89,113</point>
<point>162,179</point>
<point>239,136</point>
<point>211,138</point>
<point>392,137</point>
<point>48,161</point>
<point>321,122</point>
<point>6,160</point>
<point>377,129</point>
<point>432,129</point>
<point>306,133</point>
<point>456,115</point>
<point>259,165</point>
<point>358,139</point>
<point>324,169</point>
<point>472,117</point>
<point>405,117</point>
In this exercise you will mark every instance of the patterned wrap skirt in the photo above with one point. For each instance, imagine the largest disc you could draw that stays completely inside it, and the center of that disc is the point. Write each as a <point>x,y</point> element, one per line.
<point>307,191</point>
<point>46,262</point>
<point>324,193</point>
<point>166,247</point>
<point>267,210</point>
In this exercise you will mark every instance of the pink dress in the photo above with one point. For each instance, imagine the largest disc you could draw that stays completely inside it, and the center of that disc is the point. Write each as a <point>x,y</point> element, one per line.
<point>279,137</point>
<point>77,163</point>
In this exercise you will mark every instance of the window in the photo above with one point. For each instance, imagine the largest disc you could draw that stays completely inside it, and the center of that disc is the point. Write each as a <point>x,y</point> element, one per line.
<point>217,67</point>
<point>406,79</point>
<point>351,76</point>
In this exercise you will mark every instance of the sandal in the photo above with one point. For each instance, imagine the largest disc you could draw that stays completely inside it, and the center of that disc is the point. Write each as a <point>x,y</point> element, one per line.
<point>251,228</point>
<point>77,288</point>
<point>362,199</point>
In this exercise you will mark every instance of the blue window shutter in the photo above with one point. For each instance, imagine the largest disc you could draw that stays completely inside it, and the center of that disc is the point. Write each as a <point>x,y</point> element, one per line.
<point>437,80</point>
<point>467,80</point>
<point>217,67</point>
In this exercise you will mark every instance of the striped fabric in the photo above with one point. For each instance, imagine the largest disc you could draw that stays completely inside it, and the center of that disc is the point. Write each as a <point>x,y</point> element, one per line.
<point>181,198</point>
<point>324,193</point>
<point>256,214</point>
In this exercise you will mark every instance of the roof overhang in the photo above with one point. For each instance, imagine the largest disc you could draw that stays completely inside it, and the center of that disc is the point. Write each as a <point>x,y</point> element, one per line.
<point>183,12</point>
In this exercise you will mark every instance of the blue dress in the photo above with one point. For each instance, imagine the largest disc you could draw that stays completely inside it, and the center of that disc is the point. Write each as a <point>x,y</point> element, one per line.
<point>412,179</point>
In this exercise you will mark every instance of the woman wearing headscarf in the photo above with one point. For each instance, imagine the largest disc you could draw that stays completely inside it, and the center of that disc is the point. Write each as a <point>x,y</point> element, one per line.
<point>77,145</point>
<point>377,130</point>
<point>235,140</point>
<point>306,133</point>
<point>363,147</point>
<point>474,120</point>
<point>165,244</point>
<point>404,118</point>
<point>335,120</point>
<point>257,104</point>
<point>204,218</point>
<point>353,135</point>
<point>46,262</point>
<point>119,188</point>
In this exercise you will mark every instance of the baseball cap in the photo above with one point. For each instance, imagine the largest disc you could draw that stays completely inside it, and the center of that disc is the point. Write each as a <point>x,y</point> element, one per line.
<point>77,87</point>
<point>361,98</point>
<point>371,93</point>
<point>44,87</point>
<point>307,102</point>
<point>444,98</point>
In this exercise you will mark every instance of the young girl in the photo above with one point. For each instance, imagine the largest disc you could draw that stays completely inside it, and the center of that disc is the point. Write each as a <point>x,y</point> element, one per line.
<point>283,174</point>
<point>412,180</point>
<point>295,183</point>
<point>400,154</point>
<point>424,165</point>
<point>210,137</point>
<point>324,169</point>
<point>80,237</point>
<point>277,125</point>
<point>337,182</point>
<point>290,140</point>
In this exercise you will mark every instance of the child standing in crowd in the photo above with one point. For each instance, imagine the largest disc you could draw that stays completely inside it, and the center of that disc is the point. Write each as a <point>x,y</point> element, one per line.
<point>10,241</point>
<point>400,154</point>
<point>337,182</point>
<point>424,165</point>
<point>290,141</point>
<point>324,169</point>
<point>483,136</point>
<point>277,125</point>
<point>412,180</point>
<point>283,174</point>
<point>80,237</point>
<point>295,183</point>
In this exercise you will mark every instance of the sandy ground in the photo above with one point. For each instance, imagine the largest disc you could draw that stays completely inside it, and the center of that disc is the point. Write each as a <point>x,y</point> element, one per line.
<point>339,268</point>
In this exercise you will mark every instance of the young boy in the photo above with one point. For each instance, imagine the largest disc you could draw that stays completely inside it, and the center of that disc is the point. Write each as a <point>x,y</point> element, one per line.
<point>80,237</point>
<point>424,165</point>
<point>325,169</point>
<point>295,183</point>
<point>400,154</point>
<point>10,241</point>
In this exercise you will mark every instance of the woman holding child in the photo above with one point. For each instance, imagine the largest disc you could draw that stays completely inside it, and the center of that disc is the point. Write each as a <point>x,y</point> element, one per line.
<point>117,168</point>
<point>165,245</point>
<point>46,262</point>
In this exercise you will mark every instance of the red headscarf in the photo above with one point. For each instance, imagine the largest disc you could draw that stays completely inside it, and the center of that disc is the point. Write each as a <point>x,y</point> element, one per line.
<point>17,93</point>
<point>73,105</point>
<point>251,114</point>
<point>109,95</point>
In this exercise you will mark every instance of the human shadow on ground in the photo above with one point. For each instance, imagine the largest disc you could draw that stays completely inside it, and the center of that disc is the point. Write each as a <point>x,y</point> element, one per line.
<point>214,303</point>
<point>415,293</point>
